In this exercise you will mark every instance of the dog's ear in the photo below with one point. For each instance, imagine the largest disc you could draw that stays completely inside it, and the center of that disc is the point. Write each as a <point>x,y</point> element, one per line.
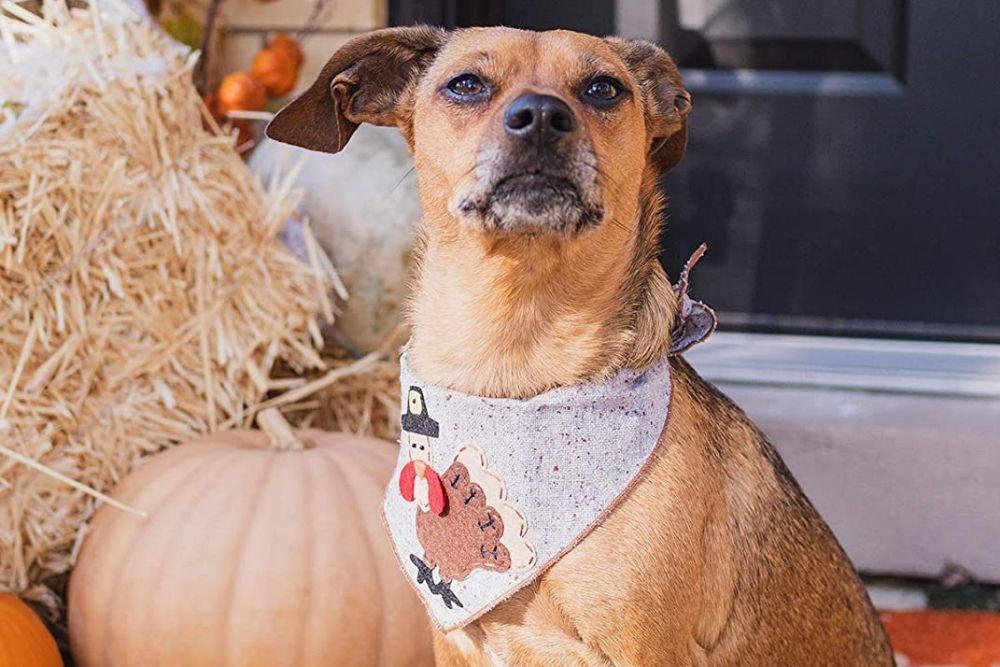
<point>667,103</point>
<point>368,80</point>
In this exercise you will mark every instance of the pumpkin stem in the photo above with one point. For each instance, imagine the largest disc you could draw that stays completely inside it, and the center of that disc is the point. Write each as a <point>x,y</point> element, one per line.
<point>279,431</point>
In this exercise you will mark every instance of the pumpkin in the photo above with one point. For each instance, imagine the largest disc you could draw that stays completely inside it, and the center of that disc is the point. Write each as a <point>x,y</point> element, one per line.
<point>240,91</point>
<point>288,46</point>
<point>363,209</point>
<point>257,550</point>
<point>276,70</point>
<point>24,641</point>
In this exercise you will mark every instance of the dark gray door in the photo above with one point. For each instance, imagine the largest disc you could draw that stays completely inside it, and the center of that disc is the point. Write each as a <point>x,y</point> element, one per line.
<point>844,159</point>
<point>844,164</point>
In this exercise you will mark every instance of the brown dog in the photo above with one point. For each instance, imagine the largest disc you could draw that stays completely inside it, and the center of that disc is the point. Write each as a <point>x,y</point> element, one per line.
<point>538,157</point>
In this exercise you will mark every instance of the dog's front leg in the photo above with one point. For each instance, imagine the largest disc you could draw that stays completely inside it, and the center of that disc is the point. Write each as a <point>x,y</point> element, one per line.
<point>457,649</point>
<point>530,630</point>
<point>462,648</point>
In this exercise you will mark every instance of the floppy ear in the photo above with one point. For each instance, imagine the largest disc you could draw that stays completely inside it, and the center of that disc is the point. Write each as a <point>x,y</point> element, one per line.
<point>667,103</point>
<point>368,80</point>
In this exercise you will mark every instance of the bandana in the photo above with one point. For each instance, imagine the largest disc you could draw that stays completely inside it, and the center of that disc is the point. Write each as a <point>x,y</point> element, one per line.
<point>489,492</point>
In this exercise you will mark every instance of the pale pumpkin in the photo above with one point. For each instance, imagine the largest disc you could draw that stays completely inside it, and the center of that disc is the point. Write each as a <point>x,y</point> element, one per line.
<point>253,554</point>
<point>24,641</point>
<point>363,208</point>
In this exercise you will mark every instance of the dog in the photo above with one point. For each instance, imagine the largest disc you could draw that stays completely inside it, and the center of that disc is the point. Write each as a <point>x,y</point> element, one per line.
<point>538,156</point>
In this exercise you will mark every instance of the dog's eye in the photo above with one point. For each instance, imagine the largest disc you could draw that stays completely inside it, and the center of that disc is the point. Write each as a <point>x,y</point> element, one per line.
<point>604,89</point>
<point>466,85</point>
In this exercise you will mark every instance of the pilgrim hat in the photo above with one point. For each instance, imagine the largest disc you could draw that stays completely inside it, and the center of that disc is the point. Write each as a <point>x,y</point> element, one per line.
<point>416,420</point>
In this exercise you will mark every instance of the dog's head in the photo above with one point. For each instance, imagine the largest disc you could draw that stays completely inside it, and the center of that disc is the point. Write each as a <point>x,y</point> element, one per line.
<point>513,132</point>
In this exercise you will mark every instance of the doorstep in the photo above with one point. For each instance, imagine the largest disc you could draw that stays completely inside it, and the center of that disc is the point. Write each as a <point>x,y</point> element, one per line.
<point>895,442</point>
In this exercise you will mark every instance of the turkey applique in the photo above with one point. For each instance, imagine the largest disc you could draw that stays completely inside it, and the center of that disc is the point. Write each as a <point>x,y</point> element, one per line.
<point>479,529</point>
<point>463,519</point>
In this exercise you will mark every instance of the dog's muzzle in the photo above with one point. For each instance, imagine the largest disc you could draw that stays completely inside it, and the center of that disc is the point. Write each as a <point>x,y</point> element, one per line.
<point>540,176</point>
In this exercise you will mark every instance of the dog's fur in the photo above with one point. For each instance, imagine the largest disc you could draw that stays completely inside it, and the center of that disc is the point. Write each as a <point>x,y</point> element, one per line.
<point>538,268</point>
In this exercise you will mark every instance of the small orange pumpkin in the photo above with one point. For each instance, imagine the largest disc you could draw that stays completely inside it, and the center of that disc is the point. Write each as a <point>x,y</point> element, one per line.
<point>258,550</point>
<point>24,641</point>
<point>275,70</point>
<point>287,46</point>
<point>240,91</point>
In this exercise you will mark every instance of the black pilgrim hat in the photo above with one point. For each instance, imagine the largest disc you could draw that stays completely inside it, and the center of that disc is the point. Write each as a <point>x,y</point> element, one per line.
<point>416,420</point>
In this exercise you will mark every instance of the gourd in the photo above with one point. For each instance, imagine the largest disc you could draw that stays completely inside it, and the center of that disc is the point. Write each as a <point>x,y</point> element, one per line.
<point>277,66</point>
<point>258,549</point>
<point>24,641</point>
<point>273,69</point>
<point>241,91</point>
<point>289,47</point>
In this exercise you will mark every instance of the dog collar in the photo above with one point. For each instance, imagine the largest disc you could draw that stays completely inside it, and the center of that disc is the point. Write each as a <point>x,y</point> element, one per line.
<point>489,492</point>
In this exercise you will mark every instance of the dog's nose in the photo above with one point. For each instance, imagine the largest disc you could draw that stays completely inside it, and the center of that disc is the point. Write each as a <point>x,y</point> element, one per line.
<point>539,117</point>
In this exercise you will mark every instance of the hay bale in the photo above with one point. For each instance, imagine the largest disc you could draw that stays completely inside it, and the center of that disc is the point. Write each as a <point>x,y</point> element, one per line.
<point>144,298</point>
<point>356,395</point>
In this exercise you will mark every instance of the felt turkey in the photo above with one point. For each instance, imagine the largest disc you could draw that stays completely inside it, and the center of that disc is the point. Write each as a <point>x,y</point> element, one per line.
<point>478,529</point>
<point>463,520</point>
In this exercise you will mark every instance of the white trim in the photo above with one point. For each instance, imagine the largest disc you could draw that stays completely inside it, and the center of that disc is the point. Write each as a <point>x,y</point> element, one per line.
<point>752,81</point>
<point>911,367</point>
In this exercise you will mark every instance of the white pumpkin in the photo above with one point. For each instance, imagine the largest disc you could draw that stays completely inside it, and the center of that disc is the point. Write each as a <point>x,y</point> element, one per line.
<point>363,206</point>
